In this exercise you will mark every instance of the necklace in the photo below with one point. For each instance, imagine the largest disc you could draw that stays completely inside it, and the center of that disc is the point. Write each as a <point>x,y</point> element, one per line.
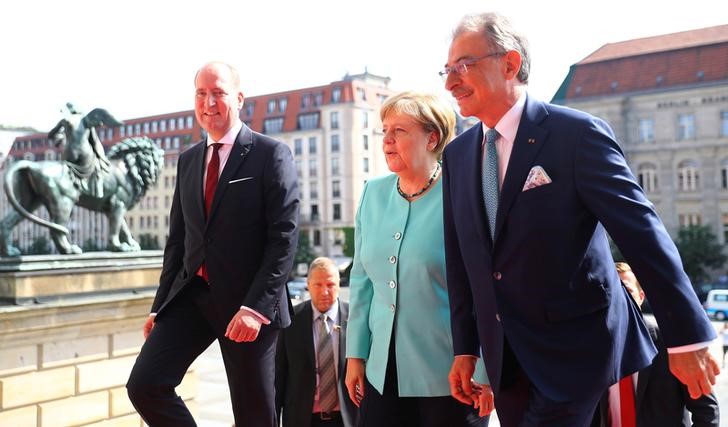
<point>421,191</point>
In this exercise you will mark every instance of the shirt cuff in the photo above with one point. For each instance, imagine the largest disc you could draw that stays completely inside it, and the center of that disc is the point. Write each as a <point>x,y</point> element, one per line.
<point>152,314</point>
<point>689,347</point>
<point>467,355</point>
<point>264,320</point>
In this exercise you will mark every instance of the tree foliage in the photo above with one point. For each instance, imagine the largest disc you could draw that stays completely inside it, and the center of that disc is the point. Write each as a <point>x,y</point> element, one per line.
<point>304,251</point>
<point>700,252</point>
<point>348,247</point>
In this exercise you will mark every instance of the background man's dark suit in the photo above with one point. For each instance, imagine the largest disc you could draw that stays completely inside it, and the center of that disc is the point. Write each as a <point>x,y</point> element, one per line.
<point>296,369</point>
<point>248,243</point>
<point>547,285</point>
<point>660,399</point>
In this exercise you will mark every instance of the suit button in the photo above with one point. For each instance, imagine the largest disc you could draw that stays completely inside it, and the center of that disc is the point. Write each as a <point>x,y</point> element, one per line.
<point>497,317</point>
<point>392,259</point>
<point>497,275</point>
<point>391,307</point>
<point>392,284</point>
<point>397,235</point>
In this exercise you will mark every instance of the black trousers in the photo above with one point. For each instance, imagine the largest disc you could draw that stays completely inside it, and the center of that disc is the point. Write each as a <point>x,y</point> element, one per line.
<point>520,404</point>
<point>188,325</point>
<point>390,410</point>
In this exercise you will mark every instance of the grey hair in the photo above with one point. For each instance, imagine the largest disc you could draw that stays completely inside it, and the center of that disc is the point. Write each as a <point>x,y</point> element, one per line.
<point>500,35</point>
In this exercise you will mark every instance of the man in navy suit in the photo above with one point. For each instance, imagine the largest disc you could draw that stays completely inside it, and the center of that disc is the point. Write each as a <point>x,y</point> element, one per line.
<point>529,196</point>
<point>232,238</point>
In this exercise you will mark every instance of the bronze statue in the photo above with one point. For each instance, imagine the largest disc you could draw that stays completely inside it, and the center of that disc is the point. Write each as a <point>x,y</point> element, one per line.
<point>84,177</point>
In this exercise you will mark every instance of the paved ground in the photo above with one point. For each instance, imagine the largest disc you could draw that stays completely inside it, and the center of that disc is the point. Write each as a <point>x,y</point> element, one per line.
<point>214,400</point>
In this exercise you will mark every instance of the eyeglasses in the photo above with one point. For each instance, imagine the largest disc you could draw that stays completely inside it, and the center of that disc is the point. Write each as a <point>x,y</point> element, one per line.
<point>462,66</point>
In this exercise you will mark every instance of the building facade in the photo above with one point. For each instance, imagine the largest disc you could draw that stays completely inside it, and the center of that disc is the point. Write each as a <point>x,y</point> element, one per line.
<point>333,131</point>
<point>666,97</point>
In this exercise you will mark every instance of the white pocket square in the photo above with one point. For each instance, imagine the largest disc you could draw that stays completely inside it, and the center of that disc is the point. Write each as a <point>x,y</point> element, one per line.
<point>240,180</point>
<point>536,178</point>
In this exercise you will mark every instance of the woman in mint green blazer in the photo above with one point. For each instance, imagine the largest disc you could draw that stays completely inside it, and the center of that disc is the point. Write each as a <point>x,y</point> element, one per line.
<point>398,334</point>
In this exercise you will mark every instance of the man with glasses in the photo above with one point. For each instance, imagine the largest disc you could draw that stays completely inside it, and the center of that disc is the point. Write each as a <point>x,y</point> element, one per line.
<point>529,195</point>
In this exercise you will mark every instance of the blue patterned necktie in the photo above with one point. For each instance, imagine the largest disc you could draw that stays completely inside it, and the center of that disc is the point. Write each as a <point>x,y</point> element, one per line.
<point>490,179</point>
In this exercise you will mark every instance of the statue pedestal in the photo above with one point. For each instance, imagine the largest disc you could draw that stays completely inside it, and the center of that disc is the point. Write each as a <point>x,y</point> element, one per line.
<point>45,278</point>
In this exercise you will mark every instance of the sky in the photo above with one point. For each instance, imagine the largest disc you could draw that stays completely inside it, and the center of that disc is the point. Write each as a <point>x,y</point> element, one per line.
<point>138,58</point>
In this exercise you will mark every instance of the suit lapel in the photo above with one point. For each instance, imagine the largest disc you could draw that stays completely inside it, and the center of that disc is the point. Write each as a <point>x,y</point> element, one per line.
<point>199,191</point>
<point>241,147</point>
<point>472,170</point>
<point>343,319</point>
<point>530,138</point>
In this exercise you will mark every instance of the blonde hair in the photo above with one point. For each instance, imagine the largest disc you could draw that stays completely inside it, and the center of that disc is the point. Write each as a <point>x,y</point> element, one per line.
<point>431,112</point>
<point>623,267</point>
<point>324,263</point>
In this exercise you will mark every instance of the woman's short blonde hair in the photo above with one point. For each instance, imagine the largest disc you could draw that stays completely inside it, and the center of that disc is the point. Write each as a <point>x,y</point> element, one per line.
<point>428,110</point>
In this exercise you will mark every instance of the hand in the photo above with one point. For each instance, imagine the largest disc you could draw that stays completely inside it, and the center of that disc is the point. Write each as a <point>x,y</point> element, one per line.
<point>243,327</point>
<point>696,369</point>
<point>355,380</point>
<point>460,377</point>
<point>148,325</point>
<point>485,399</point>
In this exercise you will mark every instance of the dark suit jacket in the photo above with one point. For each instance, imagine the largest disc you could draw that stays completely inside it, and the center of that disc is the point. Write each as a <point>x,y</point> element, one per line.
<point>548,282</point>
<point>660,399</point>
<point>296,369</point>
<point>249,240</point>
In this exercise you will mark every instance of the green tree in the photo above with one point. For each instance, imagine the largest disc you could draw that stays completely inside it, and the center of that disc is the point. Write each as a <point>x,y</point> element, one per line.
<point>40,246</point>
<point>348,241</point>
<point>700,251</point>
<point>304,251</point>
<point>148,242</point>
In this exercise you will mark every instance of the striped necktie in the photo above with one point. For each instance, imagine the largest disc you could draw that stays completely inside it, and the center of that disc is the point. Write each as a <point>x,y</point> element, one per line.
<point>326,368</point>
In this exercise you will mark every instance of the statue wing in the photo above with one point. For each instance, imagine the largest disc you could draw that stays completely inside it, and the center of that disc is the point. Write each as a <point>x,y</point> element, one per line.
<point>98,117</point>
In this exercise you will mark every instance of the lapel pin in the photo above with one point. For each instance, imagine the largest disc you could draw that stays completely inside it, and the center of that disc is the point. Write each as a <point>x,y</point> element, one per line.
<point>531,140</point>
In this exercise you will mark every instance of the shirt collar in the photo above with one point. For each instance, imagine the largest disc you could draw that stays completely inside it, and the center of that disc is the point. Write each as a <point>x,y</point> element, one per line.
<point>229,137</point>
<point>332,312</point>
<point>507,126</point>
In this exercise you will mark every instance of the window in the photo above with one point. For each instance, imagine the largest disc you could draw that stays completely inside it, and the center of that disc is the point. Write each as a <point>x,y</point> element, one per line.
<point>110,133</point>
<point>297,146</point>
<point>313,190</point>
<point>308,121</point>
<point>146,128</point>
<point>688,177</point>
<point>175,142</point>
<point>122,131</point>
<point>687,220</point>
<point>155,126</point>
<point>271,106</point>
<point>335,166</point>
<point>334,120</point>
<point>317,237</point>
<point>335,189</point>
<point>282,104</point>
<point>365,165</point>
<point>305,101</point>
<point>172,124</point>
<point>163,126</point>
<point>318,99</point>
<point>249,108</point>
<point>335,143</point>
<point>138,129</point>
<point>314,213</point>
<point>724,174</point>
<point>685,126</point>
<point>337,212</point>
<point>647,176</point>
<point>361,93</point>
<point>312,145</point>
<point>274,125</point>
<point>189,122</point>
<point>312,167</point>
<point>725,228</point>
<point>365,119</point>
<point>724,123</point>
<point>180,123</point>
<point>365,142</point>
<point>646,130</point>
<point>299,171</point>
<point>336,95</point>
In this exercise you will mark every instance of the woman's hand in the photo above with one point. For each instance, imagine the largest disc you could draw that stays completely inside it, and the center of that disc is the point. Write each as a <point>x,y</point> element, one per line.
<point>355,380</point>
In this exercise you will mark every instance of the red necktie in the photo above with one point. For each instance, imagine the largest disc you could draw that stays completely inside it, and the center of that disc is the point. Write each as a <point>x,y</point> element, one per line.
<point>626,402</point>
<point>213,170</point>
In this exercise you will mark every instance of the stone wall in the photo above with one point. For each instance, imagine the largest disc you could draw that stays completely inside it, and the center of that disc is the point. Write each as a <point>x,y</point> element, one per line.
<point>66,362</point>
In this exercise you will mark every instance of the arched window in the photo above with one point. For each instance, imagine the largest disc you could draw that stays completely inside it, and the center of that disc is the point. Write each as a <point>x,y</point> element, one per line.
<point>647,176</point>
<point>688,177</point>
